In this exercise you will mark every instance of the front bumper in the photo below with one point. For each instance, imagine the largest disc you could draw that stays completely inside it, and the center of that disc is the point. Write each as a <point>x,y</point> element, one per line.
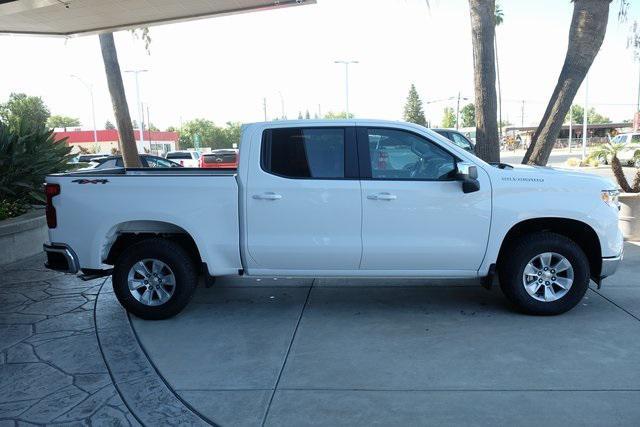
<point>60,257</point>
<point>610,265</point>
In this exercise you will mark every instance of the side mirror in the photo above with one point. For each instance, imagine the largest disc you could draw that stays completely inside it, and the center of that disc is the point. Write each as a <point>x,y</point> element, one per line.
<point>468,174</point>
<point>467,171</point>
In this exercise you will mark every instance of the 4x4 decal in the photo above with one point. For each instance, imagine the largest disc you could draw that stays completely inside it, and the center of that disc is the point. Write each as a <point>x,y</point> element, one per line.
<point>91,181</point>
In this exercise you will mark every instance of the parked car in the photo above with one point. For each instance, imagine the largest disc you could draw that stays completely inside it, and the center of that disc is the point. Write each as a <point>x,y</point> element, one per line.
<point>627,155</point>
<point>86,158</point>
<point>147,161</point>
<point>319,199</point>
<point>220,159</point>
<point>186,158</point>
<point>457,138</point>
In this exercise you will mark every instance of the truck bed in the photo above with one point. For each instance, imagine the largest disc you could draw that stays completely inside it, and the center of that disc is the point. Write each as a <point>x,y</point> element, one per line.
<point>94,207</point>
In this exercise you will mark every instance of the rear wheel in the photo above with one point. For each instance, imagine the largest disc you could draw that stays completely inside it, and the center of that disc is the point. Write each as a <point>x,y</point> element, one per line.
<point>544,274</point>
<point>154,279</point>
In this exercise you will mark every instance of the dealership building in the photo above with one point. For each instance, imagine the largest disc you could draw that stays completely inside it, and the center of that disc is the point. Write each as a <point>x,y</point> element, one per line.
<point>105,141</point>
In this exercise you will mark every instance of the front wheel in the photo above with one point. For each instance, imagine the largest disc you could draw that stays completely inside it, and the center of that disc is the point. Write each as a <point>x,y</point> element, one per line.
<point>544,274</point>
<point>154,279</point>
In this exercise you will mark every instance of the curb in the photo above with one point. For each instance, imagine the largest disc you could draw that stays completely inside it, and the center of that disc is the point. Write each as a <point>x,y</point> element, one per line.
<point>144,391</point>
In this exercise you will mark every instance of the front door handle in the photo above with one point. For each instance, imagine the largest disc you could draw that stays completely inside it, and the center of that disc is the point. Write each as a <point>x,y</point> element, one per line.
<point>267,196</point>
<point>382,196</point>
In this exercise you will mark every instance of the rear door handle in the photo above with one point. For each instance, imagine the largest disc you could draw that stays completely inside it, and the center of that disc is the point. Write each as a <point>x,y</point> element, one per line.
<point>382,196</point>
<point>267,196</point>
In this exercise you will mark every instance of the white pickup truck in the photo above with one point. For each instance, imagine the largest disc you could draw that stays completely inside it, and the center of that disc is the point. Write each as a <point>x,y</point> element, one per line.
<point>353,198</point>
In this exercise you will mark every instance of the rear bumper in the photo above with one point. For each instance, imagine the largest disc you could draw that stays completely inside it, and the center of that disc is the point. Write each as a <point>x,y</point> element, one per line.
<point>610,265</point>
<point>60,257</point>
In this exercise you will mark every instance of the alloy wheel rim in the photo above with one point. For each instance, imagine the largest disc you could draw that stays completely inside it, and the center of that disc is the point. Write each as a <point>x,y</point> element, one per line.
<point>548,277</point>
<point>151,282</point>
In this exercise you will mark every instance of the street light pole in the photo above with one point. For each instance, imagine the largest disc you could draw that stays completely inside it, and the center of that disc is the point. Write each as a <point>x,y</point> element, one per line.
<point>93,108</point>
<point>140,108</point>
<point>346,77</point>
<point>585,118</point>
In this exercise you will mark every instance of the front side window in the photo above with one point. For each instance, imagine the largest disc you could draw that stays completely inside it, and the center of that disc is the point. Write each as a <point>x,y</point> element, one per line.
<point>635,139</point>
<point>304,152</point>
<point>396,154</point>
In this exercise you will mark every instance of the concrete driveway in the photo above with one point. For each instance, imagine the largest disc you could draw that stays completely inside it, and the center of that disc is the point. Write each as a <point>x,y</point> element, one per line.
<point>381,352</point>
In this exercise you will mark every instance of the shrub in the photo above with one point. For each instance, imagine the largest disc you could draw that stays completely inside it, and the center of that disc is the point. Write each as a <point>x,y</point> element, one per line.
<point>26,157</point>
<point>12,208</point>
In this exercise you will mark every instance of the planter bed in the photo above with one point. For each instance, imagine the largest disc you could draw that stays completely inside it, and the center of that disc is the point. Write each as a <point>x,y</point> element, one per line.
<point>23,236</point>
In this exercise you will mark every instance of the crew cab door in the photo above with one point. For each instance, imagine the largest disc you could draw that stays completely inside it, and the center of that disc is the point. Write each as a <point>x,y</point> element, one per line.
<point>303,207</point>
<point>415,214</point>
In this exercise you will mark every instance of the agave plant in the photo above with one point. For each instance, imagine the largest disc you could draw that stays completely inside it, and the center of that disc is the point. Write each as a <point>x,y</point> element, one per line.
<point>610,152</point>
<point>26,158</point>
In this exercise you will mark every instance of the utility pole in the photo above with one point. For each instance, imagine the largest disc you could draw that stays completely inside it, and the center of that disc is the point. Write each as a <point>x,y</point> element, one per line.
<point>264,108</point>
<point>522,114</point>
<point>585,118</point>
<point>346,80</point>
<point>458,113</point>
<point>148,127</point>
<point>93,108</point>
<point>140,108</point>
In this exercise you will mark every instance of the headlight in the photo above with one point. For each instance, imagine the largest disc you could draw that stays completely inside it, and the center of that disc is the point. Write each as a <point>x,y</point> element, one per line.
<point>610,197</point>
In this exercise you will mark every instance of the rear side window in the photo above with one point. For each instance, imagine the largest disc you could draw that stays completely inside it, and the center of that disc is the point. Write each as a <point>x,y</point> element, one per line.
<point>304,152</point>
<point>180,156</point>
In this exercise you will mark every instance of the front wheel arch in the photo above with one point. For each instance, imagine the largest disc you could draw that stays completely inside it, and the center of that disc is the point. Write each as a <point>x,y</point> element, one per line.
<point>579,232</point>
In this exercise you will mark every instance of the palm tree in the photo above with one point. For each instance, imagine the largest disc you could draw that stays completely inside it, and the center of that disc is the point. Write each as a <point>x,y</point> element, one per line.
<point>119,101</point>
<point>587,31</point>
<point>499,20</point>
<point>610,151</point>
<point>483,29</point>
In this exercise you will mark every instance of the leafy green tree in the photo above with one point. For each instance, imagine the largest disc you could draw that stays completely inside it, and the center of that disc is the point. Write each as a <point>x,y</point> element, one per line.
<point>448,118</point>
<point>65,122</point>
<point>307,115</point>
<point>109,125</point>
<point>340,115</point>
<point>210,135</point>
<point>413,111</point>
<point>153,127</point>
<point>171,129</point>
<point>22,112</point>
<point>232,134</point>
<point>577,113</point>
<point>468,115</point>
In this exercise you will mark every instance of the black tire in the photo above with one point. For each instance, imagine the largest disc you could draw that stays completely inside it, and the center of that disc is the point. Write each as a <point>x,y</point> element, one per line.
<point>518,255</point>
<point>176,258</point>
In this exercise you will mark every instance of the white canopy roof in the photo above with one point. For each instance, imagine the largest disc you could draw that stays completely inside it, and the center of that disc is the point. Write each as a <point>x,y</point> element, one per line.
<point>72,17</point>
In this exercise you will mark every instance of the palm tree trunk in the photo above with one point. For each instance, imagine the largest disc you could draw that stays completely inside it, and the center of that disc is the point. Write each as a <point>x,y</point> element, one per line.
<point>119,101</point>
<point>495,45</point>
<point>483,29</point>
<point>636,182</point>
<point>588,28</point>
<point>618,172</point>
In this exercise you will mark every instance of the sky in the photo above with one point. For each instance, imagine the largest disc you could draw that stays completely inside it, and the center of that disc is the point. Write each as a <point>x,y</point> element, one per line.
<point>222,68</point>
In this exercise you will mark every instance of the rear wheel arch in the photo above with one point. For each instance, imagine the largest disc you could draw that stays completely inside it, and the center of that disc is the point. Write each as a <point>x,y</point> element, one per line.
<point>579,232</point>
<point>126,234</point>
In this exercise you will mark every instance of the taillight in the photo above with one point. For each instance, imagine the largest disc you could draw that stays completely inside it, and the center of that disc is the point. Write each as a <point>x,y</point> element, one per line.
<point>51,190</point>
